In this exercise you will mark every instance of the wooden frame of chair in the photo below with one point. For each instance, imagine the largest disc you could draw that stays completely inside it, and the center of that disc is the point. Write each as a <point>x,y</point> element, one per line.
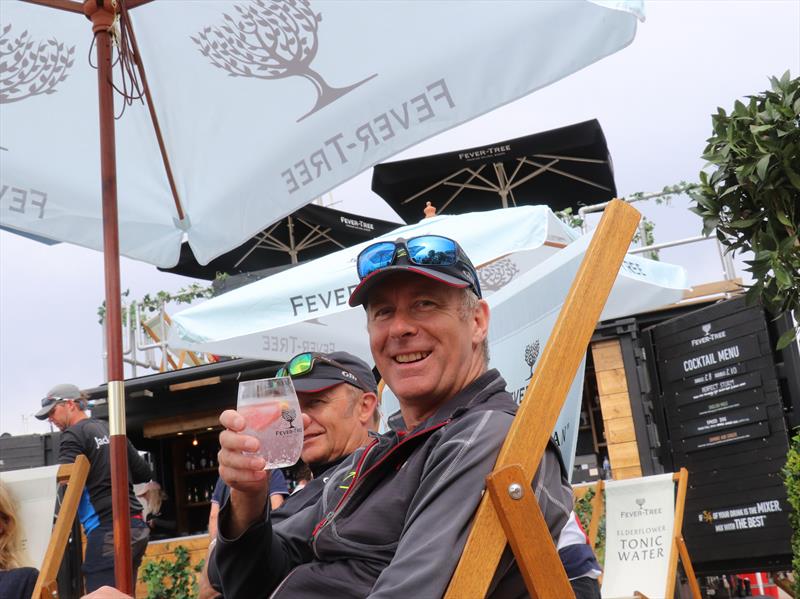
<point>74,475</point>
<point>678,548</point>
<point>508,512</point>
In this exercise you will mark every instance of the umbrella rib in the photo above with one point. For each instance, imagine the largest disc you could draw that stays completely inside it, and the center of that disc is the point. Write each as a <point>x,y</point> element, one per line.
<point>68,5</point>
<point>445,181</point>
<point>570,176</point>
<point>266,241</point>
<point>154,118</point>
<point>520,162</point>
<point>315,236</point>
<point>536,173</point>
<point>471,186</point>
<point>571,158</point>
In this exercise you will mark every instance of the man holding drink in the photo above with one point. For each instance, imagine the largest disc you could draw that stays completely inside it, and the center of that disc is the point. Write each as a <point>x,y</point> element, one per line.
<point>398,527</point>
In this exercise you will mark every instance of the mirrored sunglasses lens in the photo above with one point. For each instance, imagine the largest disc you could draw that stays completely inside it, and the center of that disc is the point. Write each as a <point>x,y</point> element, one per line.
<point>375,257</point>
<point>300,364</point>
<point>432,250</point>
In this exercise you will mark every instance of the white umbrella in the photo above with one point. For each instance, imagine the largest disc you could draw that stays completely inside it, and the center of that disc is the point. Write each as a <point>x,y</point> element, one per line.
<point>253,109</point>
<point>524,276</point>
<point>263,105</point>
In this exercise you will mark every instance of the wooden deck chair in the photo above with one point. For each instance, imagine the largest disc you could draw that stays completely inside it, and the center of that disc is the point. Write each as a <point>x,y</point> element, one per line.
<point>157,329</point>
<point>74,475</point>
<point>678,548</point>
<point>509,511</point>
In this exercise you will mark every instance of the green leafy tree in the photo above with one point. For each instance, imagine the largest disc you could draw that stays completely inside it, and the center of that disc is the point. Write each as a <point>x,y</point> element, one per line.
<point>751,193</point>
<point>172,579</point>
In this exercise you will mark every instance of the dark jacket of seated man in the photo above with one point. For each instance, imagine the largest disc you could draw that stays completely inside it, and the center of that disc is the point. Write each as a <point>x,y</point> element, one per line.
<point>393,519</point>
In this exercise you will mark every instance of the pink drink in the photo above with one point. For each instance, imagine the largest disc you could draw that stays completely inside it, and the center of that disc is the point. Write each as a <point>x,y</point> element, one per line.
<point>272,412</point>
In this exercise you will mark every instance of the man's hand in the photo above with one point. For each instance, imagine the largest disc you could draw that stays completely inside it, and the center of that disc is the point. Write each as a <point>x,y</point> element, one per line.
<point>107,593</point>
<point>244,474</point>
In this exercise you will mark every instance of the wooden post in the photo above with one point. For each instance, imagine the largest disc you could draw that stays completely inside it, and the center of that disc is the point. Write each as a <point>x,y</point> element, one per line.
<point>544,398</point>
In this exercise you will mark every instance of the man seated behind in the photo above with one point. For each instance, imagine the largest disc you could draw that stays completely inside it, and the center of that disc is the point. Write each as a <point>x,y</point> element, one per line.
<point>398,527</point>
<point>338,400</point>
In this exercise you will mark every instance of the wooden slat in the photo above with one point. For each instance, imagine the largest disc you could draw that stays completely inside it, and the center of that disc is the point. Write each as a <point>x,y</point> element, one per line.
<point>541,405</point>
<point>623,455</point>
<point>182,424</point>
<point>610,382</point>
<point>626,473</point>
<point>75,475</point>
<point>616,405</point>
<point>212,380</point>
<point>713,289</point>
<point>677,527</point>
<point>619,430</point>
<point>522,521</point>
<point>607,355</point>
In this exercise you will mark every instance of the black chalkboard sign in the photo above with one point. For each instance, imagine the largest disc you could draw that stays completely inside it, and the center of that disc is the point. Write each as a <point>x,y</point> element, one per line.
<point>717,392</point>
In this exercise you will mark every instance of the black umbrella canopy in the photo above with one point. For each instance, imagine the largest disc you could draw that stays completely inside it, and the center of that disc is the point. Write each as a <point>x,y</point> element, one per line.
<point>309,233</point>
<point>565,167</point>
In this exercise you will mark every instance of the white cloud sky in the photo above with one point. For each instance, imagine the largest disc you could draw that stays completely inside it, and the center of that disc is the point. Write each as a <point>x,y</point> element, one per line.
<point>653,99</point>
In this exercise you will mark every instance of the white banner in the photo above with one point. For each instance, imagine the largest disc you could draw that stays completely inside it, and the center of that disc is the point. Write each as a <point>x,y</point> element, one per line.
<point>640,513</point>
<point>34,491</point>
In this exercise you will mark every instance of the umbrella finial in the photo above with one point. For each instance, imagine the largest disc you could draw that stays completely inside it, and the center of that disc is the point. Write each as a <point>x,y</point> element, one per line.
<point>429,210</point>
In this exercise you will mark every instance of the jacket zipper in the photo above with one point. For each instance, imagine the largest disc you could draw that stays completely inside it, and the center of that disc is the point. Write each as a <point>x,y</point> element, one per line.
<point>359,477</point>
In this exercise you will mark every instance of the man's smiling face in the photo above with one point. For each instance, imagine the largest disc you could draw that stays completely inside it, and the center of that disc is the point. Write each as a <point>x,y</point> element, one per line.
<point>425,342</point>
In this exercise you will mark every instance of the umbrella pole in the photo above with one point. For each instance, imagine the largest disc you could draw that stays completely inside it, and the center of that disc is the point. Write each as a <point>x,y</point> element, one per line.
<point>102,16</point>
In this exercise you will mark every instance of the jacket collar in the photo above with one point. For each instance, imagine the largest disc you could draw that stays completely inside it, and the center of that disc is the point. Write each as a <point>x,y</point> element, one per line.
<point>477,392</point>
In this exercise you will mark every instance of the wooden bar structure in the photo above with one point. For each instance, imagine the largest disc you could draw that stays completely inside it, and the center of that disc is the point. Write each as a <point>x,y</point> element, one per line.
<point>615,405</point>
<point>529,434</point>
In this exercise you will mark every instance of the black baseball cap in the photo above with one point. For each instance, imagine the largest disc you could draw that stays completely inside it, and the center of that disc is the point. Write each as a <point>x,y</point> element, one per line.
<point>333,369</point>
<point>461,273</point>
<point>58,393</point>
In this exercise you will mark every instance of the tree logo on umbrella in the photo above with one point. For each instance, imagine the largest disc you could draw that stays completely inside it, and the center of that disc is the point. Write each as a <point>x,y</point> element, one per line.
<point>271,39</point>
<point>497,274</point>
<point>531,355</point>
<point>30,68</point>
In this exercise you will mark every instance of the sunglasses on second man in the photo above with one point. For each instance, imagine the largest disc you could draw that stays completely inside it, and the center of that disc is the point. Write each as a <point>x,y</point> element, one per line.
<point>303,364</point>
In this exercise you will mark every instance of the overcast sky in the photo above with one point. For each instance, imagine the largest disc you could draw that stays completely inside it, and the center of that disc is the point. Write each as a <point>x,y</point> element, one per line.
<point>653,100</point>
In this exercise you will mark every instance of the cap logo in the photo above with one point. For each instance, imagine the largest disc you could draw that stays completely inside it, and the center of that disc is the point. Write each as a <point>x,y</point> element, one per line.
<point>349,375</point>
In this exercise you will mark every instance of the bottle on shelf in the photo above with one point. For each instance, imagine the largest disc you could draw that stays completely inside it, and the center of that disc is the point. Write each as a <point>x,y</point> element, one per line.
<point>189,462</point>
<point>203,459</point>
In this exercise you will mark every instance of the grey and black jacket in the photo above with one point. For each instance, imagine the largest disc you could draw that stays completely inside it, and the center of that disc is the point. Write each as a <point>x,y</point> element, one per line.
<point>393,519</point>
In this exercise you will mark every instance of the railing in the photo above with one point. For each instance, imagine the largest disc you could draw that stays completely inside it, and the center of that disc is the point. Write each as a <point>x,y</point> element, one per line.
<point>728,268</point>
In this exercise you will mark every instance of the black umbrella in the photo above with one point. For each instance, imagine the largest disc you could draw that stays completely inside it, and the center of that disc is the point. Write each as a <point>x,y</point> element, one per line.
<point>561,168</point>
<point>309,233</point>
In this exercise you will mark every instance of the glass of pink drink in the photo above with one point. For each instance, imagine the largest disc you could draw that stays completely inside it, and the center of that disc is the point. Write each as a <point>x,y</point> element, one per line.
<point>272,412</point>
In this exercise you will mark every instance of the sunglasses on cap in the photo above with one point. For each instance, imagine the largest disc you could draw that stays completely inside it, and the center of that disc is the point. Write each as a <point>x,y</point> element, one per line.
<point>304,363</point>
<point>424,250</point>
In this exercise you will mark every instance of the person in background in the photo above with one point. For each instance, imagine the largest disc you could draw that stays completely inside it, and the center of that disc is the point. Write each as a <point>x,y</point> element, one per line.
<point>153,498</point>
<point>64,406</point>
<point>17,581</point>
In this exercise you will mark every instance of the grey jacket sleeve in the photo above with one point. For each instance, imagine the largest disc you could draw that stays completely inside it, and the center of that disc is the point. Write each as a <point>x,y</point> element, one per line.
<point>253,564</point>
<point>441,513</point>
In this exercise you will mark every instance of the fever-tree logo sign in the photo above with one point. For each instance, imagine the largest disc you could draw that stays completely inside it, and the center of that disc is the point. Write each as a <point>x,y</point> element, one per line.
<point>531,355</point>
<point>271,39</point>
<point>289,415</point>
<point>30,68</point>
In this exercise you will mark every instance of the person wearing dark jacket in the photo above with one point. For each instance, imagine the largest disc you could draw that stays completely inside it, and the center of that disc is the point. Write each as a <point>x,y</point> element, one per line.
<point>64,407</point>
<point>338,401</point>
<point>397,528</point>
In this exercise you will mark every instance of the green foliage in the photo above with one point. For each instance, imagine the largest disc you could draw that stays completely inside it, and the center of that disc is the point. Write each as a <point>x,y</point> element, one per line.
<point>583,509</point>
<point>153,303</point>
<point>172,579</point>
<point>751,194</point>
<point>791,478</point>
